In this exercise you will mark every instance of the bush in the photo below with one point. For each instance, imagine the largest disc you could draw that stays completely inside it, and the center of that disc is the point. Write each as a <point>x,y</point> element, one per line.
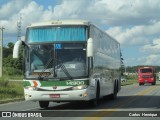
<point>11,71</point>
<point>9,90</point>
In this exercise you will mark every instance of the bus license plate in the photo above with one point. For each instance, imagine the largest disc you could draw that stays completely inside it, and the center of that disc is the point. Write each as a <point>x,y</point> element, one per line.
<point>54,95</point>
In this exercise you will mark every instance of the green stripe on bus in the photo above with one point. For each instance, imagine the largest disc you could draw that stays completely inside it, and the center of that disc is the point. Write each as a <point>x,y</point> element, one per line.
<point>64,83</point>
<point>59,83</point>
<point>26,83</point>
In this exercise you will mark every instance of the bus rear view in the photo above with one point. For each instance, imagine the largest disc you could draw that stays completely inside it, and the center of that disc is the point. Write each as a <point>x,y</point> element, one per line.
<point>146,75</point>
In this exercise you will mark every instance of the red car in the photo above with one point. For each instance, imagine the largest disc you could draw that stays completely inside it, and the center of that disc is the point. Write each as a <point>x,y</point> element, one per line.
<point>146,75</point>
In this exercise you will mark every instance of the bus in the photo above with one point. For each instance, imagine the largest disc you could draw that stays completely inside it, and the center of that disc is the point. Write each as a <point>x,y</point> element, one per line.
<point>69,60</point>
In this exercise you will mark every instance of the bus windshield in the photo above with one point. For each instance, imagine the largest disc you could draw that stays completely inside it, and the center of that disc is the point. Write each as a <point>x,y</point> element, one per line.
<point>56,60</point>
<point>52,34</point>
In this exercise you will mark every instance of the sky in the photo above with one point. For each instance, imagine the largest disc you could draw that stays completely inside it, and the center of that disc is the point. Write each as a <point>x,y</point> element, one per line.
<point>135,24</point>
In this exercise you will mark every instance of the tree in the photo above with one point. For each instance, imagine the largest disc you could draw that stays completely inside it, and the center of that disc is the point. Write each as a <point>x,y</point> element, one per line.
<point>10,45</point>
<point>8,50</point>
<point>8,60</point>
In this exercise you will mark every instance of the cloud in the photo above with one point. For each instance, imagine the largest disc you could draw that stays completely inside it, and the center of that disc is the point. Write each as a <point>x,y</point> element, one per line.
<point>29,11</point>
<point>71,9</point>
<point>153,60</point>
<point>136,35</point>
<point>101,12</point>
<point>153,48</point>
<point>126,12</point>
<point>11,8</point>
<point>32,12</point>
<point>131,22</point>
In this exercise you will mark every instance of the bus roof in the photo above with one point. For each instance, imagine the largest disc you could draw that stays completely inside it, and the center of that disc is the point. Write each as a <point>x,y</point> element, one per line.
<point>59,23</point>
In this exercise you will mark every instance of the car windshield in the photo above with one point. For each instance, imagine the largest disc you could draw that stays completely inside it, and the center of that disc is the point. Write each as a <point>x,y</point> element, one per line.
<point>56,60</point>
<point>146,70</point>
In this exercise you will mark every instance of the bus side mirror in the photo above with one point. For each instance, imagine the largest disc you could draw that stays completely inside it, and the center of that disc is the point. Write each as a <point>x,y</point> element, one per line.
<point>16,49</point>
<point>90,47</point>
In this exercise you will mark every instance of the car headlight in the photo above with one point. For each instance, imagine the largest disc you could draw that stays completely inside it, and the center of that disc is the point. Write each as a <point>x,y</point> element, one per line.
<point>30,88</point>
<point>80,87</point>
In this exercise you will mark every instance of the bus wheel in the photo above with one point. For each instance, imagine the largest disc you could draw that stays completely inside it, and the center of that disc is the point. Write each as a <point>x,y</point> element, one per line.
<point>113,96</point>
<point>140,84</point>
<point>94,102</point>
<point>153,83</point>
<point>44,104</point>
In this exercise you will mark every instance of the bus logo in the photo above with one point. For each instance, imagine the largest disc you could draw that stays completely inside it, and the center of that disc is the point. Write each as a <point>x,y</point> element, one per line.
<point>55,87</point>
<point>69,82</point>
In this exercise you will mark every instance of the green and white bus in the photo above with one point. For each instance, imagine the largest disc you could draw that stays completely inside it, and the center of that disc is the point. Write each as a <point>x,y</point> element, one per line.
<point>69,60</point>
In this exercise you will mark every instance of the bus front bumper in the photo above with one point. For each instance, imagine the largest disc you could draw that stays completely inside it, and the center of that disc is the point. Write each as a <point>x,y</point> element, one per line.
<point>59,96</point>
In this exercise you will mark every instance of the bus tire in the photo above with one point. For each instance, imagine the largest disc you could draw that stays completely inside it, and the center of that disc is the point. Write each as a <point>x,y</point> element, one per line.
<point>94,102</point>
<point>113,96</point>
<point>154,83</point>
<point>44,104</point>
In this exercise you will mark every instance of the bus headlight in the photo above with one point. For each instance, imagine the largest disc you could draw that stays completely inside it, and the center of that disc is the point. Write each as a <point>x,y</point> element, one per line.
<point>80,87</point>
<point>30,88</point>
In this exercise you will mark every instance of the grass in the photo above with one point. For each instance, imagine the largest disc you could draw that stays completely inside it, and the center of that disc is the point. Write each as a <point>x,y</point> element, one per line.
<point>129,82</point>
<point>131,79</point>
<point>10,90</point>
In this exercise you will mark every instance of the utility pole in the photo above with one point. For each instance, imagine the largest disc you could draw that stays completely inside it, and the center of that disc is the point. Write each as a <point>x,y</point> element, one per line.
<point>1,52</point>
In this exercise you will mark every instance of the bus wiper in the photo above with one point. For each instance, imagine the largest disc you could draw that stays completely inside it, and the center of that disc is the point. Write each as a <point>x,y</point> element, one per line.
<point>45,67</point>
<point>65,71</point>
<point>61,65</point>
<point>63,68</point>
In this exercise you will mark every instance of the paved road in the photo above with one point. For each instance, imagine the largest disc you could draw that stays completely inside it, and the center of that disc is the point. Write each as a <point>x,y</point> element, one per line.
<point>133,100</point>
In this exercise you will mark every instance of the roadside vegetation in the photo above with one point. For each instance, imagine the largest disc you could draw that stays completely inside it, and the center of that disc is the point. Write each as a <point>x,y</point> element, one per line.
<point>130,79</point>
<point>10,89</point>
<point>12,70</point>
<point>131,75</point>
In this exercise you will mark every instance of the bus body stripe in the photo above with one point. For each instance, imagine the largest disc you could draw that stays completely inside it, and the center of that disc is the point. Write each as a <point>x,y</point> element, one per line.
<point>55,83</point>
